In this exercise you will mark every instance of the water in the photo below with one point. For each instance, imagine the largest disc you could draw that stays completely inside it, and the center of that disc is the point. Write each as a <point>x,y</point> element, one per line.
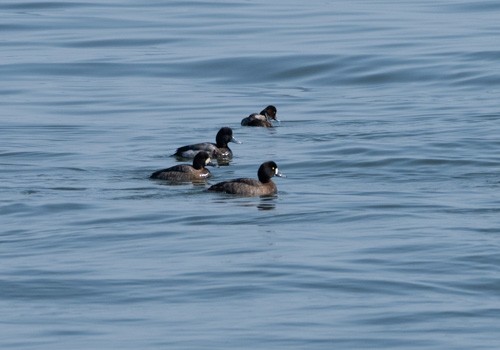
<point>384,235</point>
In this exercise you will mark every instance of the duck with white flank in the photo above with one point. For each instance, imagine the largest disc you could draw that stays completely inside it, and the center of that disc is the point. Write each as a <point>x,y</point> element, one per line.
<point>218,150</point>
<point>264,118</point>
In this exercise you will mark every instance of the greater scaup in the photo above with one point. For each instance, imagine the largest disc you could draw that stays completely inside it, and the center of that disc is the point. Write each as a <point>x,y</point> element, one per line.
<point>186,172</point>
<point>264,118</point>
<point>218,150</point>
<point>264,186</point>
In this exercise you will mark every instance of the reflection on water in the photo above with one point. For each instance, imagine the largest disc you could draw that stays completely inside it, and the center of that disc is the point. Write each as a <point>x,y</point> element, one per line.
<point>267,203</point>
<point>261,203</point>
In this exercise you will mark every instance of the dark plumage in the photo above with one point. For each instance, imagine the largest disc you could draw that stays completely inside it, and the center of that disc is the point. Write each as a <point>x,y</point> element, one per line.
<point>218,150</point>
<point>264,118</point>
<point>186,172</point>
<point>264,186</point>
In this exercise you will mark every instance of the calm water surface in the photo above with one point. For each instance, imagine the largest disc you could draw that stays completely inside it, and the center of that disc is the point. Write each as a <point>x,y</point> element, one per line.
<point>384,235</point>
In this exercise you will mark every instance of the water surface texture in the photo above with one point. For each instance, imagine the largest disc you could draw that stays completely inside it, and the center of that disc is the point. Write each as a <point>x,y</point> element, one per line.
<point>384,235</point>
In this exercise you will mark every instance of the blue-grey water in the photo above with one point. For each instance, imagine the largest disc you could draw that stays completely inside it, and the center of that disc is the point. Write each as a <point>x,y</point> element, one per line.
<point>384,235</point>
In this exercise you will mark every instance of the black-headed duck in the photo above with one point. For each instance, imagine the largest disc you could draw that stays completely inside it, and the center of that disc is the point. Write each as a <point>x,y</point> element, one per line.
<point>264,186</point>
<point>218,150</point>
<point>264,118</point>
<point>186,172</point>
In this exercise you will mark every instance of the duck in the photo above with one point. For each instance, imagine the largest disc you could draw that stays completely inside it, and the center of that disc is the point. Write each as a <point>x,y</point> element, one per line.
<point>218,150</point>
<point>264,118</point>
<point>264,186</point>
<point>187,172</point>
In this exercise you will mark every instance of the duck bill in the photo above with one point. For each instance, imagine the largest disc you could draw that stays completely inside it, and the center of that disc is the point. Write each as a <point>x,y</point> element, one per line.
<point>235,141</point>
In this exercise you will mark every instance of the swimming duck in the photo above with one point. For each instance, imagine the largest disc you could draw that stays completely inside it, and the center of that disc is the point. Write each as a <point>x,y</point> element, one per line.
<point>264,118</point>
<point>218,150</point>
<point>186,172</point>
<point>264,186</point>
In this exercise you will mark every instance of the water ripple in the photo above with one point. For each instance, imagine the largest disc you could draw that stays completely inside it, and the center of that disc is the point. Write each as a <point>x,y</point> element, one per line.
<point>389,216</point>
